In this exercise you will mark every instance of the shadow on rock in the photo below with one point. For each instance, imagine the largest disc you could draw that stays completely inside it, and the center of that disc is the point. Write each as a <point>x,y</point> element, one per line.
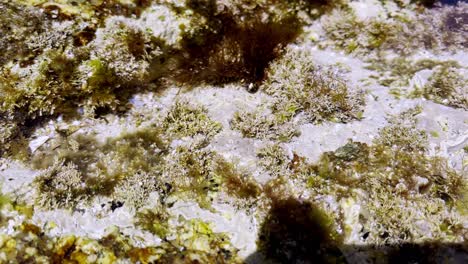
<point>300,232</point>
<point>297,232</point>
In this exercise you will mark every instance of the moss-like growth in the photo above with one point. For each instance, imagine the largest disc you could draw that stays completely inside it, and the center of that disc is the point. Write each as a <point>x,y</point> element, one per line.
<point>298,85</point>
<point>196,179</point>
<point>141,150</point>
<point>154,220</point>
<point>187,120</point>
<point>440,30</point>
<point>69,68</point>
<point>397,73</point>
<point>89,11</point>
<point>105,168</point>
<point>406,195</point>
<point>274,159</point>
<point>401,181</point>
<point>263,125</point>
<point>235,183</point>
<point>130,167</point>
<point>402,133</point>
<point>60,186</point>
<point>447,86</point>
<point>134,191</point>
<point>12,139</point>
<point>18,25</point>
<point>129,51</point>
<point>354,35</point>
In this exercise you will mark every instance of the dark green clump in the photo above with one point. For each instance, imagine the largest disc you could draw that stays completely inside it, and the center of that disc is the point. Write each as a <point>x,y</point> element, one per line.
<point>154,221</point>
<point>235,183</point>
<point>238,40</point>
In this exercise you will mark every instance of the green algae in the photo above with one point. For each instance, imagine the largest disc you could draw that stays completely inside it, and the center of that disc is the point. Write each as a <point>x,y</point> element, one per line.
<point>236,183</point>
<point>397,72</point>
<point>92,11</point>
<point>136,154</point>
<point>235,41</point>
<point>403,184</point>
<point>356,36</point>
<point>196,242</point>
<point>69,73</point>
<point>60,186</point>
<point>447,86</point>
<point>395,30</point>
<point>263,126</point>
<point>298,86</point>
<point>187,120</point>
<point>130,167</point>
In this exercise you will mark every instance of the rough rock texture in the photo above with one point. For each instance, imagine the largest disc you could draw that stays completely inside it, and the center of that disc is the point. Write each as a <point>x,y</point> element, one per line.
<point>199,131</point>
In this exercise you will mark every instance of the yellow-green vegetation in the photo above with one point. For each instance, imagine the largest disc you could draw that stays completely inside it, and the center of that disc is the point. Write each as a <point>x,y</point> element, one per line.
<point>60,82</point>
<point>273,158</point>
<point>132,52</point>
<point>236,183</point>
<point>436,30</point>
<point>77,64</point>
<point>298,86</point>
<point>396,73</point>
<point>401,132</point>
<point>195,242</point>
<point>91,11</point>
<point>194,239</point>
<point>448,86</point>
<point>130,167</point>
<point>154,220</point>
<point>263,125</point>
<point>98,53</point>
<point>61,186</point>
<point>354,35</point>
<point>98,168</point>
<point>12,139</point>
<point>409,196</point>
<point>188,120</point>
<point>186,241</point>
<point>200,175</point>
<point>18,25</point>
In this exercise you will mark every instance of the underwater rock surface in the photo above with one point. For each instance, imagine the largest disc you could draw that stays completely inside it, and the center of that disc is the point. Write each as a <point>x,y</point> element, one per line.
<point>200,131</point>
